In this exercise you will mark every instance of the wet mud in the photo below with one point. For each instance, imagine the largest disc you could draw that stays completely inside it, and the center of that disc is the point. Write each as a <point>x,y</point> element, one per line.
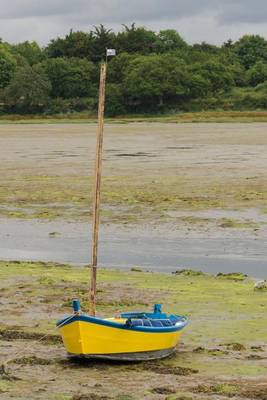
<point>174,196</point>
<point>223,352</point>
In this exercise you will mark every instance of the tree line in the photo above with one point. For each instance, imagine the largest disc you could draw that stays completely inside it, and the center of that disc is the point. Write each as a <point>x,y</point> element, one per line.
<point>152,73</point>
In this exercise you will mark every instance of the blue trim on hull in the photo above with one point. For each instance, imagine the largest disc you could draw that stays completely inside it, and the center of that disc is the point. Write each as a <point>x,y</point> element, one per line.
<point>183,321</point>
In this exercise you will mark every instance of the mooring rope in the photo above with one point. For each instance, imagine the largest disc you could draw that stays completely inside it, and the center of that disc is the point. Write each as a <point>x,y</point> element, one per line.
<point>4,364</point>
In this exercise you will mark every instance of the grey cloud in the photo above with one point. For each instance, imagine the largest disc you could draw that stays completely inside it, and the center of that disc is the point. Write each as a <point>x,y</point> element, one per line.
<point>243,11</point>
<point>129,10</point>
<point>148,10</point>
<point>117,11</point>
<point>210,20</point>
<point>109,10</point>
<point>17,9</point>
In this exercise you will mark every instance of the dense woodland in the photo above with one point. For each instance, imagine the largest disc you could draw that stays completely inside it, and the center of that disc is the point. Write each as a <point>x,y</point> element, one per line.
<point>153,73</point>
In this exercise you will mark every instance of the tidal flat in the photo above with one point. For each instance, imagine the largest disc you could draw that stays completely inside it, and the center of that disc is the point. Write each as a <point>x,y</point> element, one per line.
<point>202,185</point>
<point>150,170</point>
<point>203,182</point>
<point>223,350</point>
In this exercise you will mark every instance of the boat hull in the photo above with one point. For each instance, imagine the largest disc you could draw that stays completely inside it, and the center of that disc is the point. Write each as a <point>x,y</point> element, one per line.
<point>87,338</point>
<point>138,356</point>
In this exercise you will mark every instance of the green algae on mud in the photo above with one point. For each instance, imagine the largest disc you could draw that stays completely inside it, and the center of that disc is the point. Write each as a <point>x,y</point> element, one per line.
<point>227,325</point>
<point>129,199</point>
<point>221,388</point>
<point>220,302</point>
<point>153,174</point>
<point>235,276</point>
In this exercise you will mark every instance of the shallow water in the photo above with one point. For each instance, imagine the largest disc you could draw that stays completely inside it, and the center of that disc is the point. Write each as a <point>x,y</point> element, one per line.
<point>124,248</point>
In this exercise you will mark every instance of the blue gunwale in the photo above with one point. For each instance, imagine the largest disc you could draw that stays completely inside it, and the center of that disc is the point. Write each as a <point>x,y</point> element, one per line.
<point>150,329</point>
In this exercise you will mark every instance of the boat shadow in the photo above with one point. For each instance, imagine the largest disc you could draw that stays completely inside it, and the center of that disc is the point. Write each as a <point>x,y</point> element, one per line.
<point>98,363</point>
<point>80,362</point>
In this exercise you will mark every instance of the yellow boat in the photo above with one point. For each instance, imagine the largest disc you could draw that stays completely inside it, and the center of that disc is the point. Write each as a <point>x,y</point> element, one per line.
<point>131,337</point>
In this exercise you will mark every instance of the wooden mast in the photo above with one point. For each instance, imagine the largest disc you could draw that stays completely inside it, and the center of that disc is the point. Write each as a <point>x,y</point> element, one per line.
<point>98,170</point>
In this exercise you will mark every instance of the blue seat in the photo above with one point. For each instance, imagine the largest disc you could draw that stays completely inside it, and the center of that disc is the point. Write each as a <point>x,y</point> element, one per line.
<point>159,323</point>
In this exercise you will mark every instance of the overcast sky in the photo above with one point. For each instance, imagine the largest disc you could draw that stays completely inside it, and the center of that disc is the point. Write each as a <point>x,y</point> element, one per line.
<point>213,21</point>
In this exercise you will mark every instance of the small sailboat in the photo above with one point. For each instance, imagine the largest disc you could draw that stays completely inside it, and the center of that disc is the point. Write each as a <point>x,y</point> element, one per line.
<point>131,336</point>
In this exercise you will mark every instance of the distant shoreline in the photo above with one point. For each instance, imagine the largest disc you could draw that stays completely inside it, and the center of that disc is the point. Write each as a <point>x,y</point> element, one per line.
<point>190,117</point>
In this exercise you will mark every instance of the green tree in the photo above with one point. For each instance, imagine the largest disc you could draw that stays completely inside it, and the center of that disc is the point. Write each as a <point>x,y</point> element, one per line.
<point>30,51</point>
<point>169,40</point>
<point>57,48</point>
<point>114,100</point>
<point>250,49</point>
<point>28,90</point>
<point>118,65</point>
<point>136,40</point>
<point>102,39</point>
<point>198,85</point>
<point>155,80</point>
<point>71,77</point>
<point>207,48</point>
<point>74,44</point>
<point>219,77</point>
<point>228,44</point>
<point>238,73</point>
<point>258,73</point>
<point>7,67</point>
<point>79,44</point>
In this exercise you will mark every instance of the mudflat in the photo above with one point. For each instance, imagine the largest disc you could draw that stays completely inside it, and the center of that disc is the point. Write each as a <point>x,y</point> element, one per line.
<point>150,170</point>
<point>223,351</point>
<point>201,182</point>
<point>201,186</point>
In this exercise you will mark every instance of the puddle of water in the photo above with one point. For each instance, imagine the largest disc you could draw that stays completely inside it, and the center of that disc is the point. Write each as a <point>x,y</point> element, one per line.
<point>30,240</point>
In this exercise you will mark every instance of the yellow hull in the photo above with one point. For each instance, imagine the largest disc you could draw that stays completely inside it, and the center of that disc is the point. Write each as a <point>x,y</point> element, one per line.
<point>84,338</point>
